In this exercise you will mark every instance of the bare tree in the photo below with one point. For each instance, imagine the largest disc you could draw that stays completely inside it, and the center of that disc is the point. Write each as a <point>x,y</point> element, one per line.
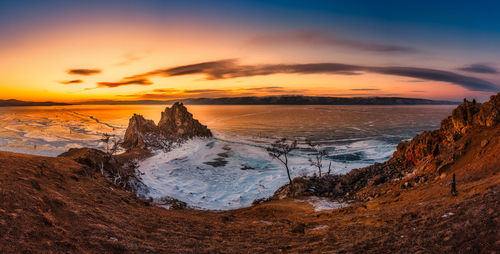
<point>319,154</point>
<point>112,144</point>
<point>279,150</point>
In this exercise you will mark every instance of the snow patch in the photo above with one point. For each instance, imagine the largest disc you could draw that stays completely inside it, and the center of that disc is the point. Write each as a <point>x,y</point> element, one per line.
<point>447,215</point>
<point>323,204</point>
<point>318,228</point>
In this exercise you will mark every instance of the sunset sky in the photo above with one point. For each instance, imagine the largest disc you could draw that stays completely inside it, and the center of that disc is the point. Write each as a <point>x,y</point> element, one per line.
<point>132,50</point>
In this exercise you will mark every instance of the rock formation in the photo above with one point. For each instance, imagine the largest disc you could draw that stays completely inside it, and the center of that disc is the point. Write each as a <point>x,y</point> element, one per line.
<point>467,117</point>
<point>143,134</point>
<point>176,125</point>
<point>120,169</point>
<point>426,156</point>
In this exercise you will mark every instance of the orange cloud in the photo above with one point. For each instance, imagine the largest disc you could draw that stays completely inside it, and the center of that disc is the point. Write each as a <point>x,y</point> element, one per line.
<point>84,72</point>
<point>74,81</point>
<point>170,93</point>
<point>141,82</point>
<point>230,68</point>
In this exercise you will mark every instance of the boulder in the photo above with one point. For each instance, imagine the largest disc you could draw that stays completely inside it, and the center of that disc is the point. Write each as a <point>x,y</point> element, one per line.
<point>298,228</point>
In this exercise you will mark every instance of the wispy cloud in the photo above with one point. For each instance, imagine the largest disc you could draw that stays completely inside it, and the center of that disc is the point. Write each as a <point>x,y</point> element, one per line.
<point>230,68</point>
<point>213,70</point>
<point>84,72</point>
<point>479,68</point>
<point>74,81</point>
<point>172,93</point>
<point>141,82</point>
<point>198,91</point>
<point>317,38</point>
<point>166,90</point>
<point>365,89</point>
<point>131,57</point>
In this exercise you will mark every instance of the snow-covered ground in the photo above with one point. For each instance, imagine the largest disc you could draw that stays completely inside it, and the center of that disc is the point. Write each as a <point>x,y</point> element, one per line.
<point>220,175</point>
<point>232,169</point>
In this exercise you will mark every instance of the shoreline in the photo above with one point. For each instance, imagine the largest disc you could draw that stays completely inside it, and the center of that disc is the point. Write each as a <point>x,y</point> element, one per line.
<point>405,203</point>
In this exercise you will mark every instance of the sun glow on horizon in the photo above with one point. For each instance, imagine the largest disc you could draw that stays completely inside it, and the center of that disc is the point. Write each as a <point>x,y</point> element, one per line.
<point>36,59</point>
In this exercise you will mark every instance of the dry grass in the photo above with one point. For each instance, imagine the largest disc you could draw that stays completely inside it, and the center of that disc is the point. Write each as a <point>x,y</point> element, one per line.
<point>53,205</point>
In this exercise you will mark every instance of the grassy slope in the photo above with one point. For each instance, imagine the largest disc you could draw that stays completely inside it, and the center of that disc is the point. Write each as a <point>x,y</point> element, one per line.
<point>52,204</point>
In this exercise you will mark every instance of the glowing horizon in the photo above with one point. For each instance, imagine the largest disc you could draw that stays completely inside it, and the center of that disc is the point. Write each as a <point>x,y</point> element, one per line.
<point>73,52</point>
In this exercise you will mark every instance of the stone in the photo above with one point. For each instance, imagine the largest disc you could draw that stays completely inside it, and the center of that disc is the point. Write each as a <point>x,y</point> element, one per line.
<point>298,228</point>
<point>484,143</point>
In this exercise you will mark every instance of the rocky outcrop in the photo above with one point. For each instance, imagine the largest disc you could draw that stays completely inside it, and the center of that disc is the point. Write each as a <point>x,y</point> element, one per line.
<point>120,169</point>
<point>176,125</point>
<point>142,134</point>
<point>426,156</point>
<point>466,117</point>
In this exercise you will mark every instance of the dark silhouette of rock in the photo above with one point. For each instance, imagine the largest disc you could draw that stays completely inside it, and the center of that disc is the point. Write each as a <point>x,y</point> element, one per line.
<point>177,123</point>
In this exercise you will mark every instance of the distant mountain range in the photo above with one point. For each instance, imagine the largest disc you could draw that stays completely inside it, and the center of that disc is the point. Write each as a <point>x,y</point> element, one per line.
<point>253,100</point>
<point>285,100</point>
<point>15,103</point>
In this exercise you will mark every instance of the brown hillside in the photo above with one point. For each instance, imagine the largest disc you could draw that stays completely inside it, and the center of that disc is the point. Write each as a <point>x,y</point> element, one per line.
<point>58,205</point>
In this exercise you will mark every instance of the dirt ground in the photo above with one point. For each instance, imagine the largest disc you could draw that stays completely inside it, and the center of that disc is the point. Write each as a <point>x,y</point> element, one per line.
<point>56,205</point>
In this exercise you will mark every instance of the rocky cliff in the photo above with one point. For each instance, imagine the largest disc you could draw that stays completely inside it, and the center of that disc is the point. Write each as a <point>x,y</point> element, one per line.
<point>176,125</point>
<point>427,156</point>
<point>445,144</point>
<point>143,134</point>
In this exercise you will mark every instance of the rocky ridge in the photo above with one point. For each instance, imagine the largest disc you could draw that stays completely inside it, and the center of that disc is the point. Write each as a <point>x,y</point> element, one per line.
<point>427,156</point>
<point>143,134</point>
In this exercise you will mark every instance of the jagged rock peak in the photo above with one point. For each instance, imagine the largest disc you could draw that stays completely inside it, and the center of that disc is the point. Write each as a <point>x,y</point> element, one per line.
<point>470,115</point>
<point>142,133</point>
<point>177,123</point>
<point>465,117</point>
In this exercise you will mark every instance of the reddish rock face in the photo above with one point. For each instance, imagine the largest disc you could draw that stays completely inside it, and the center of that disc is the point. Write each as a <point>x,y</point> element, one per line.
<point>466,117</point>
<point>176,125</point>
<point>142,133</point>
<point>427,155</point>
<point>471,115</point>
